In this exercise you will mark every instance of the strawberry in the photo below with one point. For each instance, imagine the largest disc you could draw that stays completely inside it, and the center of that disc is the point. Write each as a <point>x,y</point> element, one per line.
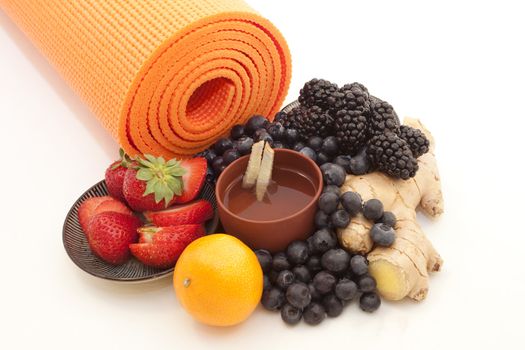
<point>112,205</point>
<point>115,175</point>
<point>196,212</point>
<point>193,179</point>
<point>161,255</point>
<point>183,233</point>
<point>160,247</point>
<point>110,234</point>
<point>153,183</point>
<point>87,208</point>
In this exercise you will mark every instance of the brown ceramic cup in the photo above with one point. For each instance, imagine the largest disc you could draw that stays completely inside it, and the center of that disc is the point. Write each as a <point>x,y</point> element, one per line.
<point>274,235</point>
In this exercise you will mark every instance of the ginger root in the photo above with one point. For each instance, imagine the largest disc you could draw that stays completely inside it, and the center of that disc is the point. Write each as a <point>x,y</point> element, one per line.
<point>402,269</point>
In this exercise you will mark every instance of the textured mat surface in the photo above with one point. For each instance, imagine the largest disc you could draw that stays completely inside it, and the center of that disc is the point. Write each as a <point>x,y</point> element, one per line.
<point>165,77</point>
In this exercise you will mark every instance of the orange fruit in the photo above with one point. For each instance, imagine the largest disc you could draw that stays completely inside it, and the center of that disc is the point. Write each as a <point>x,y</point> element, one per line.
<point>218,280</point>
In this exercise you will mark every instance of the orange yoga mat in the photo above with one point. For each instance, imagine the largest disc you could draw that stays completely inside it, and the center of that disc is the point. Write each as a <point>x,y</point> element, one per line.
<point>165,77</point>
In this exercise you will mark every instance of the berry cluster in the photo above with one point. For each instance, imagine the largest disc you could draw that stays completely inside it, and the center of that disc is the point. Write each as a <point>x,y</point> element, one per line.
<point>257,128</point>
<point>361,124</point>
<point>315,278</point>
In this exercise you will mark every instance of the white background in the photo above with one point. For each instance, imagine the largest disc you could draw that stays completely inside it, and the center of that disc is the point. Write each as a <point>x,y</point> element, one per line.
<point>457,65</point>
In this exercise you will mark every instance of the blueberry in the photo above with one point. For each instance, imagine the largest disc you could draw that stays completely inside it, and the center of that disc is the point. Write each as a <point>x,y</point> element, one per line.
<point>244,145</point>
<point>265,259</point>
<point>314,293</point>
<point>321,219</point>
<point>332,189</point>
<point>302,274</point>
<point>366,283</point>
<point>308,152</point>
<point>262,135</point>
<point>340,218</point>
<point>373,209</point>
<point>323,240</point>
<point>359,164</point>
<point>237,132</point>
<point>297,252</point>
<point>267,284</point>
<point>279,117</point>
<point>217,163</point>
<point>329,146</point>
<point>322,158</point>
<point>359,265</point>
<point>254,123</point>
<point>277,131</point>
<point>352,202</point>
<point>324,168</point>
<point>389,219</point>
<point>314,314</point>
<point>382,235</point>
<point>315,143</point>
<point>222,145</point>
<point>335,260</point>
<point>280,262</point>
<point>346,289</point>
<point>221,169</point>
<point>290,314</point>
<point>324,282</point>
<point>298,146</point>
<point>334,175</point>
<point>369,302</point>
<point>284,279</point>
<point>332,305</point>
<point>314,264</point>
<point>272,299</point>
<point>343,161</point>
<point>230,156</point>
<point>210,155</point>
<point>298,295</point>
<point>291,136</point>
<point>278,144</point>
<point>328,202</point>
<point>210,175</point>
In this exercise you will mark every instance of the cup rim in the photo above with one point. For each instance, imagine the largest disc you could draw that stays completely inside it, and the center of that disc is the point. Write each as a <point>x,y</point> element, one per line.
<point>285,218</point>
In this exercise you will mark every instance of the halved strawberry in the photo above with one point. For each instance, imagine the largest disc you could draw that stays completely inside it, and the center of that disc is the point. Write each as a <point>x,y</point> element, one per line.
<point>196,212</point>
<point>112,205</point>
<point>193,179</point>
<point>161,246</point>
<point>183,233</point>
<point>110,234</point>
<point>159,255</point>
<point>87,208</point>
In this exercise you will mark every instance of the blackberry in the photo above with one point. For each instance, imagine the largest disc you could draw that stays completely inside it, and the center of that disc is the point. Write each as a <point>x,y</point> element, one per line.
<point>392,155</point>
<point>319,92</point>
<point>383,118</point>
<point>354,97</point>
<point>351,128</point>
<point>417,141</point>
<point>309,122</point>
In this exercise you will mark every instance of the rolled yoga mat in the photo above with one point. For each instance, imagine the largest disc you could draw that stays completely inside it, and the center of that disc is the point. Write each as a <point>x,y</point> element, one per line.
<point>165,77</point>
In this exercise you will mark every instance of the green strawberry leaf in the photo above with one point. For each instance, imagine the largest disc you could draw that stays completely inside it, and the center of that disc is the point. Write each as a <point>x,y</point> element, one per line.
<point>144,174</point>
<point>150,186</point>
<point>163,178</point>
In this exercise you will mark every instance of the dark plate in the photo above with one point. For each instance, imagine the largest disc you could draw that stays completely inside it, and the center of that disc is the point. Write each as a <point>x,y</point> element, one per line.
<point>78,250</point>
<point>290,106</point>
